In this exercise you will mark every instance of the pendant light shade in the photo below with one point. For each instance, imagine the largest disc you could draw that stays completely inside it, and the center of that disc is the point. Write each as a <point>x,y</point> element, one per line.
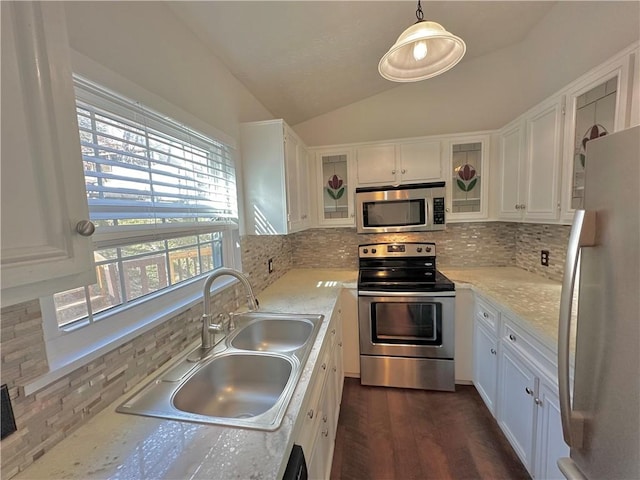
<point>422,51</point>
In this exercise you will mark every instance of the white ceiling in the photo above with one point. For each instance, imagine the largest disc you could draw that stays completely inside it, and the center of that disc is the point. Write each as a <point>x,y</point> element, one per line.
<point>305,58</point>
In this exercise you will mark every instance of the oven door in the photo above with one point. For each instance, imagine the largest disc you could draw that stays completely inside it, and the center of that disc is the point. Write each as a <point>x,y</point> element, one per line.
<point>407,324</point>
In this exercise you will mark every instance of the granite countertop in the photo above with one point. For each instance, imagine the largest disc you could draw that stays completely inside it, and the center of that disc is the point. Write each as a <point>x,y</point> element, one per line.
<point>118,446</point>
<point>533,300</point>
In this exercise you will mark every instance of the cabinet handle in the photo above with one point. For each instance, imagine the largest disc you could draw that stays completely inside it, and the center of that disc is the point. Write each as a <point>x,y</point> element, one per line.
<point>528,390</point>
<point>333,332</point>
<point>538,402</point>
<point>339,344</point>
<point>86,228</point>
<point>325,432</point>
<point>310,413</point>
<point>512,337</point>
<point>493,351</point>
<point>324,418</point>
<point>324,366</point>
<point>352,215</point>
<point>393,172</point>
<point>403,171</point>
<point>335,369</point>
<point>485,314</point>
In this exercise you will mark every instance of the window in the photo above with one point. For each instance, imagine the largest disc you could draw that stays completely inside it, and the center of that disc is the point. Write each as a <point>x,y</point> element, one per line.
<point>162,197</point>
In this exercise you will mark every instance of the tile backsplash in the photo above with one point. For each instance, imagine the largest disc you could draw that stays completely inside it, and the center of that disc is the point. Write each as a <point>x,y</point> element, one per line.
<point>47,416</point>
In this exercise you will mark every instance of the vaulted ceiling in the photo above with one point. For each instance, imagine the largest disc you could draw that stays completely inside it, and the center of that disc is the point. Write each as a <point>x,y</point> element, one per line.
<point>305,58</point>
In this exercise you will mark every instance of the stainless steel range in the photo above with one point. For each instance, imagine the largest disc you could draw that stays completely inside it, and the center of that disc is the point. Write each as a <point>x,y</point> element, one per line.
<point>406,312</point>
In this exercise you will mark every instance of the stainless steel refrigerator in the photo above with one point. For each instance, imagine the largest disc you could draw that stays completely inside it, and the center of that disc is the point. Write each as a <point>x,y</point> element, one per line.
<point>601,418</point>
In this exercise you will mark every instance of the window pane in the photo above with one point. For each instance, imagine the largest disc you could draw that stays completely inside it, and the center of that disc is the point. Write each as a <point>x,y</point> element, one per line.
<point>144,275</point>
<point>107,291</point>
<point>71,306</point>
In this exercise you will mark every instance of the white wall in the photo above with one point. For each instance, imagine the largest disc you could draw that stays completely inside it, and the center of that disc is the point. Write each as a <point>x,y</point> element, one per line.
<point>147,44</point>
<point>487,92</point>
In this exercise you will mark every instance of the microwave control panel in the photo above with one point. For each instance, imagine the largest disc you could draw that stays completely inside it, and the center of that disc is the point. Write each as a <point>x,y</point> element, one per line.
<point>438,211</point>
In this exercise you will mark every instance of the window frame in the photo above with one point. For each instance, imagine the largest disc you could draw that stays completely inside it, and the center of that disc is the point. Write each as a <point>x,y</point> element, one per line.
<point>70,348</point>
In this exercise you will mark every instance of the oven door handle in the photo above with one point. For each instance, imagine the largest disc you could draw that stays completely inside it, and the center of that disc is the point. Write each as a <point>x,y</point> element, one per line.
<point>371,293</point>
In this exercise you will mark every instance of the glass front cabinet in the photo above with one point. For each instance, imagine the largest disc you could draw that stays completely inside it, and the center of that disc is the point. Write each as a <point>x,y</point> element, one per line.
<point>468,178</point>
<point>334,177</point>
<point>597,105</point>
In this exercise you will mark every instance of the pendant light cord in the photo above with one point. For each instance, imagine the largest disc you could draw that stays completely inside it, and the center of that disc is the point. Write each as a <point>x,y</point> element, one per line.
<point>419,13</point>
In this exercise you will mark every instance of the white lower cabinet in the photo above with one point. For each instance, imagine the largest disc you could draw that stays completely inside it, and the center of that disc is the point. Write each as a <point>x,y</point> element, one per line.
<point>515,376</point>
<point>485,364</point>
<point>318,431</point>
<point>516,415</point>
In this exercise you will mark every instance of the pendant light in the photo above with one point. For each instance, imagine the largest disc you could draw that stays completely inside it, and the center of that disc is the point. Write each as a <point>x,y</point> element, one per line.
<point>422,51</point>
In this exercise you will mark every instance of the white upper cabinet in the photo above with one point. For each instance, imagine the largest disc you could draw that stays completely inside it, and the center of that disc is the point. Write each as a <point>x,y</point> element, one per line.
<point>511,170</point>
<point>398,163</point>
<point>530,164</point>
<point>275,171</point>
<point>597,104</point>
<point>43,193</point>
<point>334,187</point>
<point>468,165</point>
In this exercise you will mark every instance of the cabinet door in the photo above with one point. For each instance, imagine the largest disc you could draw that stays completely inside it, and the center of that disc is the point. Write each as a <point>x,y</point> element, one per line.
<point>516,412</point>
<point>596,106</point>
<point>543,162</point>
<point>485,361</point>
<point>43,193</point>
<point>468,177</point>
<point>335,187</point>
<point>511,165</point>
<point>419,162</point>
<point>550,444</point>
<point>376,165</point>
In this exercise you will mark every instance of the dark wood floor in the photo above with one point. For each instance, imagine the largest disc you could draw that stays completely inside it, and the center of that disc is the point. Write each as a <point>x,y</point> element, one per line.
<point>391,433</point>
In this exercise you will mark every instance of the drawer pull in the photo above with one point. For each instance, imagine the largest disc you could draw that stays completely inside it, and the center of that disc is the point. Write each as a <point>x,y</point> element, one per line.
<point>335,369</point>
<point>485,314</point>
<point>493,351</point>
<point>310,413</point>
<point>325,432</point>
<point>512,337</point>
<point>324,418</point>
<point>333,332</point>
<point>339,344</point>
<point>324,366</point>
<point>538,402</point>
<point>528,390</point>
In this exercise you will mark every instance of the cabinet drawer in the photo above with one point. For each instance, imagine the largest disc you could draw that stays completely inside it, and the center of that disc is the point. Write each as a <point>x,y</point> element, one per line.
<point>523,342</point>
<point>487,315</point>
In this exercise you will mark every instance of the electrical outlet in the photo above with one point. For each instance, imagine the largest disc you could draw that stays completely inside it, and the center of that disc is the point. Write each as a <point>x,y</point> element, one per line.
<point>544,258</point>
<point>270,264</point>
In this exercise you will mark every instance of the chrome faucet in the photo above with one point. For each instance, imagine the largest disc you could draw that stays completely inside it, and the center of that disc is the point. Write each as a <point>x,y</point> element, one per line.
<point>209,328</point>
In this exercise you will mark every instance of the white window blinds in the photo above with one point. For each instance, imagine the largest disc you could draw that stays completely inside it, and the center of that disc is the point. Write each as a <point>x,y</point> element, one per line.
<point>148,177</point>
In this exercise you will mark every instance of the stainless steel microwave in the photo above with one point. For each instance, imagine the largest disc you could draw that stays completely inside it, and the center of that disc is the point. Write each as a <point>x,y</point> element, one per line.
<point>405,208</point>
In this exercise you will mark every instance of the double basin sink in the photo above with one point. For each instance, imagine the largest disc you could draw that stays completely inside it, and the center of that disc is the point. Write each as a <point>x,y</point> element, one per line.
<point>246,380</point>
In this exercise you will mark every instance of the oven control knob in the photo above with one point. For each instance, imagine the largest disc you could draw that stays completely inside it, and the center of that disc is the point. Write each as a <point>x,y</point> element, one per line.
<point>419,249</point>
<point>365,250</point>
<point>428,249</point>
<point>373,250</point>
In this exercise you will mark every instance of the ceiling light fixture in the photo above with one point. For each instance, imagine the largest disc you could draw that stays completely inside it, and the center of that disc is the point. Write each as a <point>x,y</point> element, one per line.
<point>424,50</point>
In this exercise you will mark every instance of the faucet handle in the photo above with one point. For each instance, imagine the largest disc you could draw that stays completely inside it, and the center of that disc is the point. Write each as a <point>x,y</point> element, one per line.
<point>232,323</point>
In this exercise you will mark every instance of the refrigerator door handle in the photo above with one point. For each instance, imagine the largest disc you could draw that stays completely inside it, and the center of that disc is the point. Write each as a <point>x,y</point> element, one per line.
<point>583,233</point>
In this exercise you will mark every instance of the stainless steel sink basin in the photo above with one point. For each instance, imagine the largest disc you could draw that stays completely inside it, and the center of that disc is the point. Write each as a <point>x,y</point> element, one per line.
<point>246,380</point>
<point>235,386</point>
<point>273,334</point>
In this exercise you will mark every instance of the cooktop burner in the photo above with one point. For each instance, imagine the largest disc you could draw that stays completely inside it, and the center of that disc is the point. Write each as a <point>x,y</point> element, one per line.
<point>409,266</point>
